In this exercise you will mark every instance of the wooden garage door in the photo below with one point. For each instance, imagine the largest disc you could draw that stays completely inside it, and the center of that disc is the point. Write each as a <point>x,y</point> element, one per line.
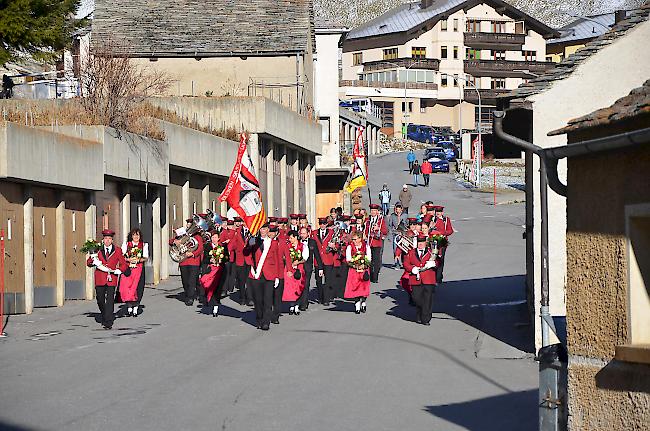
<point>175,206</point>
<point>74,231</point>
<point>108,209</point>
<point>11,220</point>
<point>44,247</point>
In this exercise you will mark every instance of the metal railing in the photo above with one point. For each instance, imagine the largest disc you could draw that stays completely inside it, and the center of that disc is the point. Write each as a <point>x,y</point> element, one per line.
<point>422,63</point>
<point>388,84</point>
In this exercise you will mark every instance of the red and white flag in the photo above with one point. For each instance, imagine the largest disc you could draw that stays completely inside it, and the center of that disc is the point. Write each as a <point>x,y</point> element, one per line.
<point>243,192</point>
<point>359,174</point>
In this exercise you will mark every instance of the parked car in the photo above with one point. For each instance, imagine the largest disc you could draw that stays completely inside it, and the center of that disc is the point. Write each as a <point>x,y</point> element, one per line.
<point>420,133</point>
<point>439,165</point>
<point>435,153</point>
<point>450,150</point>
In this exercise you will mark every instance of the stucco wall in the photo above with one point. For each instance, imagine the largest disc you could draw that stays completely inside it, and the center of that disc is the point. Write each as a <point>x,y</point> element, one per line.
<point>604,394</point>
<point>599,81</point>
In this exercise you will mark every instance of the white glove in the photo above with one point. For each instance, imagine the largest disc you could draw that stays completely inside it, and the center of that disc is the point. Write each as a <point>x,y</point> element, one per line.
<point>117,272</point>
<point>415,270</point>
<point>251,241</point>
<point>320,272</point>
<point>276,283</point>
<point>430,264</point>
<point>100,266</point>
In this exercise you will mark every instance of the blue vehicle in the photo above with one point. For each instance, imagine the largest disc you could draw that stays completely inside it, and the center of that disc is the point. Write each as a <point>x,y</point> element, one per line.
<point>439,165</point>
<point>450,150</point>
<point>421,133</point>
<point>438,159</point>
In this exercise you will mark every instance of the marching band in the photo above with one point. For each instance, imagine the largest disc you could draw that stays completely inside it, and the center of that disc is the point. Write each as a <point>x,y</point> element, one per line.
<point>275,266</point>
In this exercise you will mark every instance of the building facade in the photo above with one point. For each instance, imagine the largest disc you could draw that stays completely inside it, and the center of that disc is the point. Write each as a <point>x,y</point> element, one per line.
<point>420,60</point>
<point>608,268</point>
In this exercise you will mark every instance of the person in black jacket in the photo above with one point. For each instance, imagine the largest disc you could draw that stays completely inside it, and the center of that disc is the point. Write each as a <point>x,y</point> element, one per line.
<point>312,263</point>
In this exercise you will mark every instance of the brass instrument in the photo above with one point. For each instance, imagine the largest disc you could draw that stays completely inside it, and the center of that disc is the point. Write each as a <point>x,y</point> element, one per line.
<point>186,242</point>
<point>404,240</point>
<point>339,229</point>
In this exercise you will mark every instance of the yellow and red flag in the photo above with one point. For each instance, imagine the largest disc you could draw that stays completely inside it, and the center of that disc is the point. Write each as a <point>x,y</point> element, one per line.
<point>243,192</point>
<point>359,174</point>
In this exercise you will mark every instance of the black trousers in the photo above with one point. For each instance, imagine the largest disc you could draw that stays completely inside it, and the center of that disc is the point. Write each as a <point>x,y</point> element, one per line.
<point>328,283</point>
<point>341,274</point>
<point>410,167</point>
<point>375,263</point>
<point>243,284</point>
<point>190,279</point>
<point>303,301</point>
<point>423,298</point>
<point>277,299</point>
<point>263,299</point>
<point>229,277</point>
<point>105,301</point>
<point>218,292</point>
<point>440,267</point>
<point>140,289</point>
<point>426,179</point>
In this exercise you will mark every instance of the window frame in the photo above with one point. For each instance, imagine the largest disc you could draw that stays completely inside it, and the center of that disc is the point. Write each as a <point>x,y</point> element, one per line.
<point>357,56</point>
<point>391,53</point>
<point>443,25</point>
<point>418,52</point>
<point>444,52</point>
<point>455,52</point>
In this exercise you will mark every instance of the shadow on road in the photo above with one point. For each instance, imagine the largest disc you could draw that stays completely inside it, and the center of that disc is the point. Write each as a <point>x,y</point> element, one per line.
<point>5,426</point>
<point>495,305</point>
<point>514,411</point>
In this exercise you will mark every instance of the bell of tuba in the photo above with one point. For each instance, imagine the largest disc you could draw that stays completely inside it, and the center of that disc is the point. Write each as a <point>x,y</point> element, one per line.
<point>186,242</point>
<point>404,240</point>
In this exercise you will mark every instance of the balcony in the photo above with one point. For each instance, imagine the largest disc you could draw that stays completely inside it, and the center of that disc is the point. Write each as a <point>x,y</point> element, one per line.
<point>488,95</point>
<point>384,84</point>
<point>502,41</point>
<point>506,68</point>
<point>422,64</point>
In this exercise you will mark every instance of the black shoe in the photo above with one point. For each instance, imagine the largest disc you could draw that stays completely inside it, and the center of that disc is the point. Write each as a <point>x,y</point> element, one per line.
<point>363,308</point>
<point>302,308</point>
<point>250,303</point>
<point>265,327</point>
<point>357,311</point>
<point>189,302</point>
<point>290,311</point>
<point>427,323</point>
<point>108,326</point>
<point>276,321</point>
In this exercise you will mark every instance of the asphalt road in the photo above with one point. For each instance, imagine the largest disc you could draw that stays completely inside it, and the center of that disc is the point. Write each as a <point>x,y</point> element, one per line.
<point>174,368</point>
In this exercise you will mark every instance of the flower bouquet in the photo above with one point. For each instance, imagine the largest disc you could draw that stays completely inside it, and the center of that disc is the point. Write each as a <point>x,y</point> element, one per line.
<point>436,242</point>
<point>360,262</point>
<point>296,256</point>
<point>218,255</point>
<point>134,254</point>
<point>90,246</point>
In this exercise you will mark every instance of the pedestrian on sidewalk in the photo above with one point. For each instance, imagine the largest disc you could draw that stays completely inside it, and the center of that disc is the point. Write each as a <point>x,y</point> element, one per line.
<point>405,197</point>
<point>416,173</point>
<point>384,198</point>
<point>427,169</point>
<point>410,157</point>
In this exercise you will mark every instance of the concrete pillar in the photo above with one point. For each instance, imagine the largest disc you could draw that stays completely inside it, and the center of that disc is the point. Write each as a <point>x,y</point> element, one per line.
<point>308,190</point>
<point>375,140</point>
<point>283,181</point>
<point>165,234</point>
<point>185,198</point>
<point>269,180</point>
<point>60,251</point>
<point>311,197</point>
<point>205,195</point>
<point>156,240</point>
<point>224,209</point>
<point>296,182</point>
<point>125,210</point>
<point>28,240</point>
<point>90,229</point>
<point>254,150</point>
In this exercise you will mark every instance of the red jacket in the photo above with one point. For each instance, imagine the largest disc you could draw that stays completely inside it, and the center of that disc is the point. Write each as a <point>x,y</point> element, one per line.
<point>326,257</point>
<point>426,168</point>
<point>273,266</point>
<point>444,225</point>
<point>236,248</point>
<point>383,231</point>
<point>113,261</point>
<point>412,260</point>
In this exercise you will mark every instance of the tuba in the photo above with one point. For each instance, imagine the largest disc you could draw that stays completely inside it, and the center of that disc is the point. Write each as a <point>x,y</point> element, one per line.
<point>186,242</point>
<point>339,228</point>
<point>404,240</point>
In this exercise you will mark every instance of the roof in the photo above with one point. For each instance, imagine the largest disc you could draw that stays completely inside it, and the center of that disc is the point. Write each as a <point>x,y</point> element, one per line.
<point>565,68</point>
<point>411,16</point>
<point>323,23</point>
<point>205,27</point>
<point>582,29</point>
<point>635,104</point>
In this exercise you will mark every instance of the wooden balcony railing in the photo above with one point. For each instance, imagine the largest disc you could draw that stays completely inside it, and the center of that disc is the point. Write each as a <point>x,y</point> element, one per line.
<point>506,41</point>
<point>488,95</point>
<point>413,63</point>
<point>388,84</point>
<point>506,68</point>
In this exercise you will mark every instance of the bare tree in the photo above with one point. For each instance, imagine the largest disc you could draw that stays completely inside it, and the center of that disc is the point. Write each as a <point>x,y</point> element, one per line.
<point>114,85</point>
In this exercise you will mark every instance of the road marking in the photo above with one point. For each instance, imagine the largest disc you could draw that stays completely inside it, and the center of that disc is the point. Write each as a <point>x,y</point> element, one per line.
<point>497,304</point>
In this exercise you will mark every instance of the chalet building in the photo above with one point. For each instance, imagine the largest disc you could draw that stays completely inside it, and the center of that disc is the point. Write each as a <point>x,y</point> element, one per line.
<point>218,47</point>
<point>417,60</point>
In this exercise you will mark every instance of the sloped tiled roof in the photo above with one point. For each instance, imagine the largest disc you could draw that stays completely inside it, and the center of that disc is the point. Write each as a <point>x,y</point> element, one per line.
<point>205,27</point>
<point>565,68</point>
<point>582,29</point>
<point>411,16</point>
<point>633,105</point>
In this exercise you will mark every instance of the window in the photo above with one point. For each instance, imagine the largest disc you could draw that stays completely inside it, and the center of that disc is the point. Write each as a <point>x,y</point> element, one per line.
<point>498,83</point>
<point>390,54</point>
<point>418,52</point>
<point>549,58</point>
<point>74,221</point>
<point>455,52</point>
<point>325,124</point>
<point>357,58</point>
<point>473,54</point>
<point>455,80</point>
<point>498,27</point>
<point>443,52</point>
<point>455,24</point>
<point>407,106</point>
<point>519,27</point>
<point>638,246</point>
<point>443,81</point>
<point>529,55</point>
<point>443,25</point>
<point>498,54</point>
<point>473,26</point>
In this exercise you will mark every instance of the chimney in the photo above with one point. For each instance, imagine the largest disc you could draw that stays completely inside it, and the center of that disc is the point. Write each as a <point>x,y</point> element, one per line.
<point>425,3</point>
<point>619,16</point>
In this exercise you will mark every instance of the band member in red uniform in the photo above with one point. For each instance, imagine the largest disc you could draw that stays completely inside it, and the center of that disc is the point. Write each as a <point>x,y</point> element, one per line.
<point>241,264</point>
<point>302,221</point>
<point>136,252</point>
<point>421,263</point>
<point>443,225</point>
<point>312,263</point>
<point>323,237</point>
<point>375,231</point>
<point>279,290</point>
<point>357,286</point>
<point>295,255</point>
<point>190,267</point>
<point>265,274</point>
<point>294,222</point>
<point>214,271</point>
<point>414,230</point>
<point>226,235</point>
<point>282,229</point>
<point>109,264</point>
<point>340,263</point>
